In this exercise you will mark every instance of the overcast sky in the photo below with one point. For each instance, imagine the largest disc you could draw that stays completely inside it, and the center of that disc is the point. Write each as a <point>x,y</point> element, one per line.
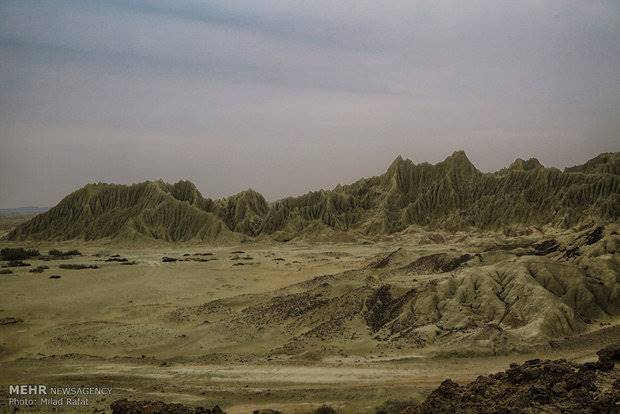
<point>291,96</point>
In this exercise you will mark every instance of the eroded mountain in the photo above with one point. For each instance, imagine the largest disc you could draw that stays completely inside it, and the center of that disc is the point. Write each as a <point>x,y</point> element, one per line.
<point>452,194</point>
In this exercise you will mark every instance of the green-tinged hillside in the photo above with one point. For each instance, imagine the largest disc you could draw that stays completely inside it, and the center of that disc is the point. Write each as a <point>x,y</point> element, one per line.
<point>607,163</point>
<point>146,210</point>
<point>450,194</point>
<point>454,194</point>
<point>243,212</point>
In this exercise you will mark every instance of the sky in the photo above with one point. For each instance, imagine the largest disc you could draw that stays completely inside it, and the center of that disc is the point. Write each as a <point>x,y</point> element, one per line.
<point>287,97</point>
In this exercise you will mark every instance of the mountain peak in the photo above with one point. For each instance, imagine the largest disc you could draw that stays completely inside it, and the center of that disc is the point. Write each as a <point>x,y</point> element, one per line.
<point>397,161</point>
<point>396,165</point>
<point>460,161</point>
<point>607,162</point>
<point>459,155</point>
<point>248,195</point>
<point>185,190</point>
<point>521,165</point>
<point>451,193</point>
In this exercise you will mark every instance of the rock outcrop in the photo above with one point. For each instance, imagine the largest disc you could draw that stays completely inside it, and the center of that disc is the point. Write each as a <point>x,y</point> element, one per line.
<point>536,386</point>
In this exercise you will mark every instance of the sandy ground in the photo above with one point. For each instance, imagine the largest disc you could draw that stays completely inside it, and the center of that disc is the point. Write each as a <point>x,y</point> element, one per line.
<point>111,327</point>
<point>242,388</point>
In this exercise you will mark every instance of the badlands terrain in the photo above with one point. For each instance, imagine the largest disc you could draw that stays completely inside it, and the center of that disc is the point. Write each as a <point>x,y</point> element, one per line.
<point>365,297</point>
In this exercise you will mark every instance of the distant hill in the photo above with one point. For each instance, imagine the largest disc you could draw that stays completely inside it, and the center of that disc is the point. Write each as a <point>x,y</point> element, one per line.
<point>450,194</point>
<point>608,162</point>
<point>22,211</point>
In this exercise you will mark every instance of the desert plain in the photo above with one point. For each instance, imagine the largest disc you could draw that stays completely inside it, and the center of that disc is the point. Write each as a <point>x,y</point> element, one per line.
<point>290,326</point>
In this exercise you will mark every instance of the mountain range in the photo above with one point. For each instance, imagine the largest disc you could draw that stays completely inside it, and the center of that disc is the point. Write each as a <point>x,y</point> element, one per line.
<point>452,194</point>
<point>22,211</point>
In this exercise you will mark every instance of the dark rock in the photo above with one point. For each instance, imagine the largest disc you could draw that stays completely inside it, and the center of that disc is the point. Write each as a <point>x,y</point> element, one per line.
<point>117,259</point>
<point>439,262</point>
<point>77,266</point>
<point>595,235</point>
<point>608,356</point>
<point>9,320</point>
<point>125,406</point>
<point>16,263</point>
<point>534,386</point>
<point>18,253</point>
<point>38,269</point>
<point>546,247</point>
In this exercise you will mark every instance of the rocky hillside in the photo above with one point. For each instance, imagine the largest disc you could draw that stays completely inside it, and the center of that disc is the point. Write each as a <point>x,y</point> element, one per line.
<point>458,300</point>
<point>450,194</point>
<point>536,386</point>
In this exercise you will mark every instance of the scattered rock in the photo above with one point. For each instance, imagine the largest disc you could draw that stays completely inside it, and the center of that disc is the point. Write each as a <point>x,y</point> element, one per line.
<point>56,252</point>
<point>125,406</point>
<point>16,263</point>
<point>117,259</point>
<point>18,253</point>
<point>39,269</point>
<point>9,320</point>
<point>77,266</point>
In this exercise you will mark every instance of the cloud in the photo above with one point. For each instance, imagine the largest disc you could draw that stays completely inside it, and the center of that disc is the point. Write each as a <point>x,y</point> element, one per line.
<point>248,86</point>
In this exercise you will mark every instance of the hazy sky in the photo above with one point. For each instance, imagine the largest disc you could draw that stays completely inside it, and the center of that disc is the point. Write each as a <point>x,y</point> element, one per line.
<point>291,96</point>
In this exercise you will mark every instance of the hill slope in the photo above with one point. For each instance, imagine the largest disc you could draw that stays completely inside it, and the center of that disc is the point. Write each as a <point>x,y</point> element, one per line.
<point>449,194</point>
<point>454,194</point>
<point>149,209</point>
<point>455,299</point>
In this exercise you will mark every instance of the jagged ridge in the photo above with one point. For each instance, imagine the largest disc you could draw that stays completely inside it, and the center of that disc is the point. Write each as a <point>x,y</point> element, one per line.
<point>449,194</point>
